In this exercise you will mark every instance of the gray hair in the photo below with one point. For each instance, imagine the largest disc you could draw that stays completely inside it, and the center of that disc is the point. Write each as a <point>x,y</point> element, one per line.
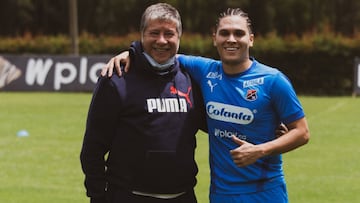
<point>162,11</point>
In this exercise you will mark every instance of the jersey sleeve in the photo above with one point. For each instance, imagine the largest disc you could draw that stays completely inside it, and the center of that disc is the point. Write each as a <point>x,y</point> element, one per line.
<point>195,65</point>
<point>286,102</point>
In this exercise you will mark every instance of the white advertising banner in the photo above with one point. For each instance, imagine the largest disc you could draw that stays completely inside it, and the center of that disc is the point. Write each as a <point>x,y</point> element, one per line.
<point>357,76</point>
<point>50,72</point>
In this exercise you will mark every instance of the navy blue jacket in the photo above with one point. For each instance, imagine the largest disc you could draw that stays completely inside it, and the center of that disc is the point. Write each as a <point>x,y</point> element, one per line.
<point>146,121</point>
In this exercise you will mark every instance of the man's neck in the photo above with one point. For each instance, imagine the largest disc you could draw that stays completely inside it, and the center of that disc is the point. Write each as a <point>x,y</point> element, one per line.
<point>232,68</point>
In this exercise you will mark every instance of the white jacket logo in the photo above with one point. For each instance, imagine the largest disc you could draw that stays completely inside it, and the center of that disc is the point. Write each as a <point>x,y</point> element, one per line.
<point>229,113</point>
<point>166,105</point>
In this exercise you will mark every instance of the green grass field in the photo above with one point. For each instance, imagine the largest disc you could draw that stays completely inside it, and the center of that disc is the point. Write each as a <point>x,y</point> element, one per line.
<point>44,167</point>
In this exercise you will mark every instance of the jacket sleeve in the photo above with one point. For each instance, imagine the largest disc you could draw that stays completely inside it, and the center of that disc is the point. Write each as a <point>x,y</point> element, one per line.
<point>100,128</point>
<point>200,105</point>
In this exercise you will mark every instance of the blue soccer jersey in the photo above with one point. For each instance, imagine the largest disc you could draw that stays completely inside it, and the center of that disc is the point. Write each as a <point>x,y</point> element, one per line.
<point>249,105</point>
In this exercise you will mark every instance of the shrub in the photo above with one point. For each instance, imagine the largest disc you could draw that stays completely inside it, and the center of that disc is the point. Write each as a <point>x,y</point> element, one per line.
<point>316,63</point>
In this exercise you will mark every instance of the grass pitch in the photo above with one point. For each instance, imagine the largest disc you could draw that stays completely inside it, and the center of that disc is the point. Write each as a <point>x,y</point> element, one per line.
<point>45,166</point>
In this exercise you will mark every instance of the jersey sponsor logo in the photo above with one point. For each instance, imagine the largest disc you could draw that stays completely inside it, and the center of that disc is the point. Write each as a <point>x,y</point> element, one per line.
<point>214,75</point>
<point>251,95</point>
<point>253,82</point>
<point>227,134</point>
<point>229,113</point>
<point>166,105</point>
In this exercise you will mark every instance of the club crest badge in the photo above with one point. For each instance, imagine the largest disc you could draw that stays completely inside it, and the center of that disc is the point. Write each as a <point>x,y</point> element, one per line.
<point>251,95</point>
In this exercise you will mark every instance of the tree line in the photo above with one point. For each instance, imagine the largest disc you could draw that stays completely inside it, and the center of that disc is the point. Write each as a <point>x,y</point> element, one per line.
<point>119,17</point>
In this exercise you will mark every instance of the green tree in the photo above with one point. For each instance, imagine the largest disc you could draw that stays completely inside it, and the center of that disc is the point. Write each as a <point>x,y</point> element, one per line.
<point>118,17</point>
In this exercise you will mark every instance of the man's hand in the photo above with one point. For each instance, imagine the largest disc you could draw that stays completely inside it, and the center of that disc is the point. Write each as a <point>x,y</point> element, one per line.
<point>246,153</point>
<point>281,130</point>
<point>123,59</point>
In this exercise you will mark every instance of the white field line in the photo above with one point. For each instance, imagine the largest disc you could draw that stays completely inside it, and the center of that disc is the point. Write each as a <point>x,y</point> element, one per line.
<point>330,109</point>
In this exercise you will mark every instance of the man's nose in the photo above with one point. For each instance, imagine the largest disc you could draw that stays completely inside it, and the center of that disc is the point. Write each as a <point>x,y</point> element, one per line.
<point>161,39</point>
<point>231,38</point>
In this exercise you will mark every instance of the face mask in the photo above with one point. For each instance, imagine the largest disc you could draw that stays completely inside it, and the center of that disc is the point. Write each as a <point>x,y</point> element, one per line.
<point>157,65</point>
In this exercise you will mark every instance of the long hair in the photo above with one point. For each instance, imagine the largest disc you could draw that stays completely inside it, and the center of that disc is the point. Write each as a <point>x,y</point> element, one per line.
<point>234,12</point>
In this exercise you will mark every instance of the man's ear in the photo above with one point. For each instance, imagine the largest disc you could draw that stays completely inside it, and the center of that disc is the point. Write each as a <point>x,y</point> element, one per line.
<point>213,38</point>
<point>252,37</point>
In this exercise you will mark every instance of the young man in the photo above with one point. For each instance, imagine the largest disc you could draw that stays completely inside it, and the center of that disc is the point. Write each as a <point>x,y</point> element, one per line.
<point>245,101</point>
<point>145,122</point>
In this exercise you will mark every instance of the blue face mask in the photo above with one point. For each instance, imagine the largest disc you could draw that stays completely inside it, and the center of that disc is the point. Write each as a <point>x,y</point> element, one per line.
<point>157,65</point>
